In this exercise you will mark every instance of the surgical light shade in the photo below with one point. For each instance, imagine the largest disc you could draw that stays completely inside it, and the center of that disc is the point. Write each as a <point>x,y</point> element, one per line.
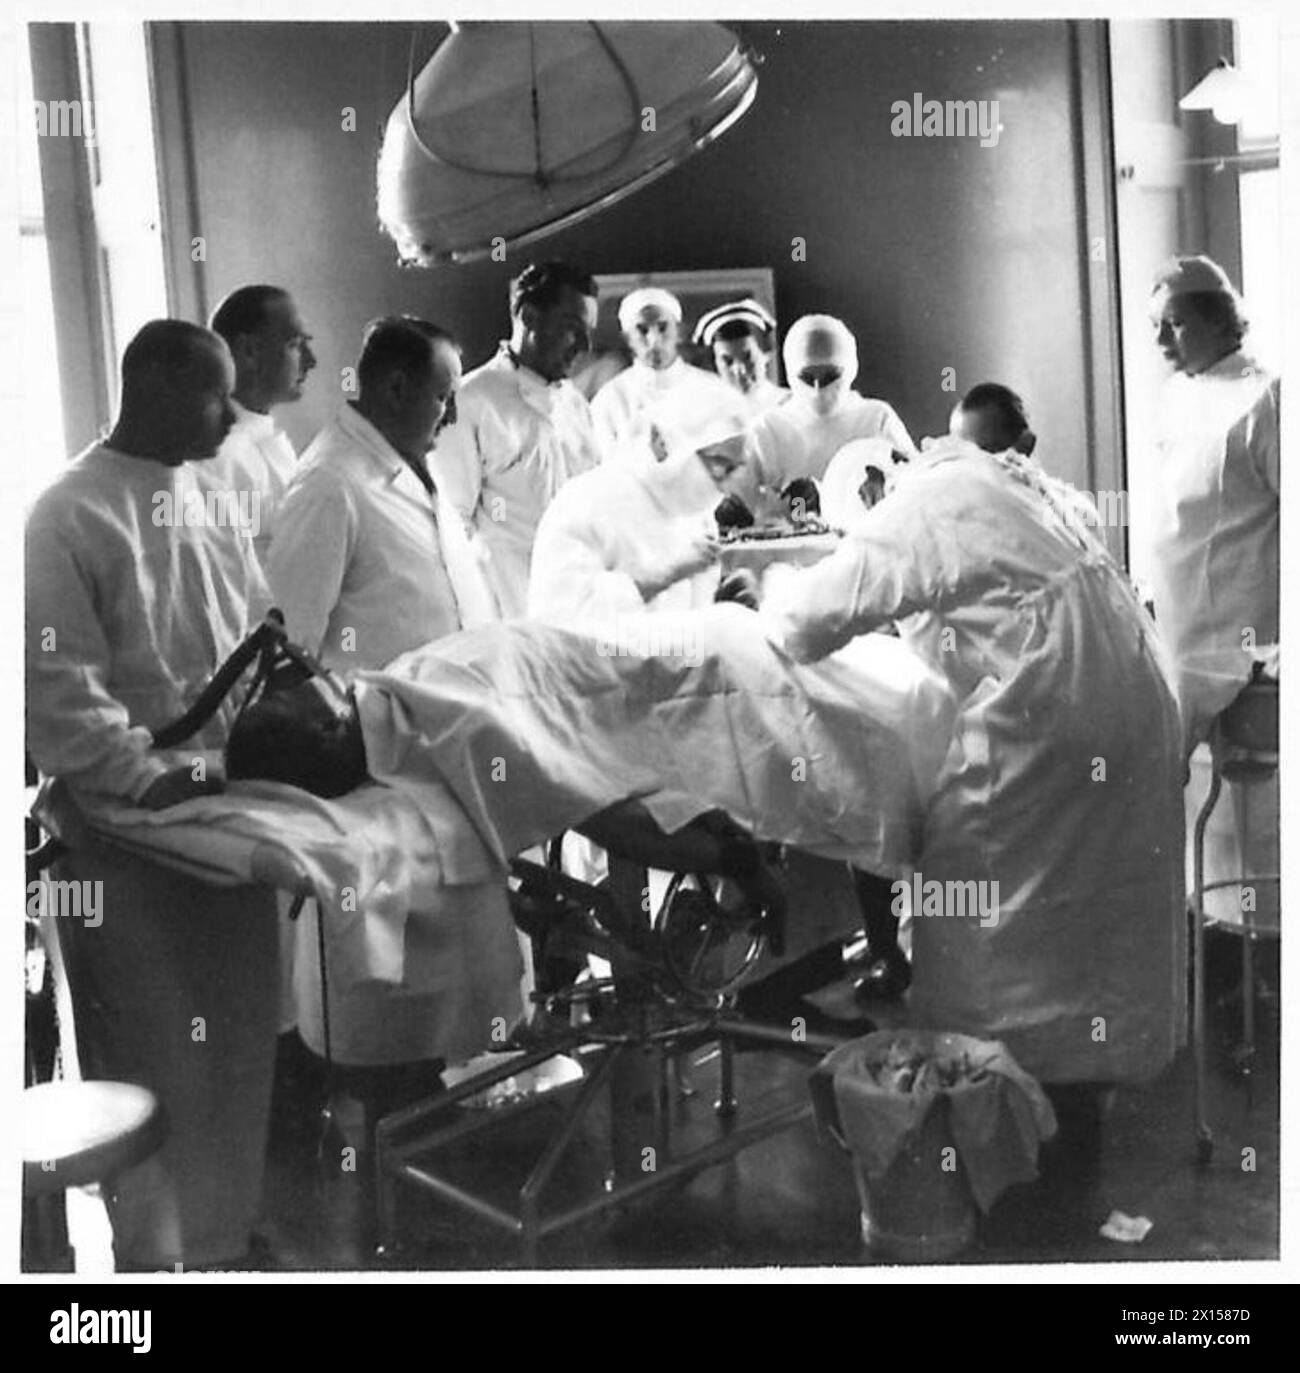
<point>514,130</point>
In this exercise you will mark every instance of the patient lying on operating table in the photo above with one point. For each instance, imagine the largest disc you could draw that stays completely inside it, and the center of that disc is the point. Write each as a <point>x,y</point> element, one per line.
<point>534,729</point>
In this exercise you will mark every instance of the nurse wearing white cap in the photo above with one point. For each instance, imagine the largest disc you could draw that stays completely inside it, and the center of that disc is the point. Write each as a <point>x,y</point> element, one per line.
<point>741,336</point>
<point>800,438</point>
<point>659,390</point>
<point>1212,540</point>
<point>1209,543</point>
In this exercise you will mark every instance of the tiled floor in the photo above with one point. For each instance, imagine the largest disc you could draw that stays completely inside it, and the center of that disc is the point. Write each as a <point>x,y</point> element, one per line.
<point>791,1200</point>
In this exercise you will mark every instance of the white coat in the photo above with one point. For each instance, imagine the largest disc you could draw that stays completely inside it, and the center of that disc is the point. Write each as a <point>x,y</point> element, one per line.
<point>680,400</point>
<point>128,616</point>
<point>517,439</point>
<point>1213,535</point>
<point>1063,777</point>
<point>360,548</point>
<point>357,564</point>
<point>256,457</point>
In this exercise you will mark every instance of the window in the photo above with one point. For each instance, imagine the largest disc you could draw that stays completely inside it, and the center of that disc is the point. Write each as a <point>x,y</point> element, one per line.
<point>92,259</point>
<point>40,413</point>
<point>124,183</point>
<point>1260,187</point>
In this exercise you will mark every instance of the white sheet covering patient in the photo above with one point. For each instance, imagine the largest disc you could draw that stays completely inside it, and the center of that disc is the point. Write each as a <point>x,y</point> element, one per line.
<point>534,728</point>
<point>630,541</point>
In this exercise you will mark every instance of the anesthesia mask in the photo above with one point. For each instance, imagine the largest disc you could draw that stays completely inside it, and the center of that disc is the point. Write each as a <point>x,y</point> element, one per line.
<point>296,722</point>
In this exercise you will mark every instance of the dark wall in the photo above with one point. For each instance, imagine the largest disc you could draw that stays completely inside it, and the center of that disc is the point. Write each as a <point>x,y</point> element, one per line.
<point>939,253</point>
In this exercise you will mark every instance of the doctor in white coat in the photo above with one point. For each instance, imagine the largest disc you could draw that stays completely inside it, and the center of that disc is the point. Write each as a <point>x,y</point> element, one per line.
<point>660,391</point>
<point>1059,798</point>
<point>360,568</point>
<point>272,352</point>
<point>273,357</point>
<point>523,429</point>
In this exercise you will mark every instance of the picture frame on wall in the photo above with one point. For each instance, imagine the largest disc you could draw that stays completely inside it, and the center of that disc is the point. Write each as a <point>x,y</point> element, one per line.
<point>698,291</point>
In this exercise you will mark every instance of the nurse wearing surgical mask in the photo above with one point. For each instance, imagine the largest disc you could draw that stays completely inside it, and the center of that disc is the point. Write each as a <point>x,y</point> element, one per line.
<point>660,391</point>
<point>824,413</point>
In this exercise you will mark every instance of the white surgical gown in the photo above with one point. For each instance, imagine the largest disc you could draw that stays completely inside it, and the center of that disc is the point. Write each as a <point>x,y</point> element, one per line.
<point>1062,782</point>
<point>1213,536</point>
<point>517,439</point>
<point>791,441</point>
<point>127,618</point>
<point>1214,548</point>
<point>130,609</point>
<point>617,526</point>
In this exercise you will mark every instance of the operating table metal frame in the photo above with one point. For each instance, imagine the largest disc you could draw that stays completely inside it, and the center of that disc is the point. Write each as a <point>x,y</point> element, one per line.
<point>635,1060</point>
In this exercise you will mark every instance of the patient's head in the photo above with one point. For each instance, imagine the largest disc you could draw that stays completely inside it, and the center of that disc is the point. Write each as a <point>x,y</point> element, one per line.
<point>993,418</point>
<point>295,736</point>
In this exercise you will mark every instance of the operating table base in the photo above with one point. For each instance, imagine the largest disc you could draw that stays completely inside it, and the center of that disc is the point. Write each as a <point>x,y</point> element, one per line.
<point>634,1070</point>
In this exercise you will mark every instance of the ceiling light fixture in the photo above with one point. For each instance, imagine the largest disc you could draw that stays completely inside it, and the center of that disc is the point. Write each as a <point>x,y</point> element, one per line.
<point>515,130</point>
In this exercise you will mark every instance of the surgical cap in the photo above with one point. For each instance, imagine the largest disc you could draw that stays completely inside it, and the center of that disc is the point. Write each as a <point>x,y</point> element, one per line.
<point>1182,276</point>
<point>747,311</point>
<point>726,424</point>
<point>818,341</point>
<point>635,301</point>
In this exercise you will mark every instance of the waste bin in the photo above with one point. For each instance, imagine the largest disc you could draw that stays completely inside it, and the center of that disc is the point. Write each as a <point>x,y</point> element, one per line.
<point>938,1125</point>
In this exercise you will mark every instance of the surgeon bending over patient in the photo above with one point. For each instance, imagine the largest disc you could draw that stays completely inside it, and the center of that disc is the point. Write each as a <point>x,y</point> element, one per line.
<point>1060,684</point>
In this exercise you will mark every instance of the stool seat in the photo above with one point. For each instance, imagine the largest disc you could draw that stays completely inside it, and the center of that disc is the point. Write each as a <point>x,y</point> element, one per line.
<point>76,1133</point>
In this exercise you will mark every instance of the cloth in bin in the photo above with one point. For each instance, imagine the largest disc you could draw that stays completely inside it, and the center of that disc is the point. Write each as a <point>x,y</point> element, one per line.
<point>874,1093</point>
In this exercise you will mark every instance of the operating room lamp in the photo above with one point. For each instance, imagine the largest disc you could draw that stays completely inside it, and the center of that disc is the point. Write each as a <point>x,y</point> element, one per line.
<point>514,130</point>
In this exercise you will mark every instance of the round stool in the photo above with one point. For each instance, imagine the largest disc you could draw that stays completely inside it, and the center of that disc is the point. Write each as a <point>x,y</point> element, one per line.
<point>75,1134</point>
